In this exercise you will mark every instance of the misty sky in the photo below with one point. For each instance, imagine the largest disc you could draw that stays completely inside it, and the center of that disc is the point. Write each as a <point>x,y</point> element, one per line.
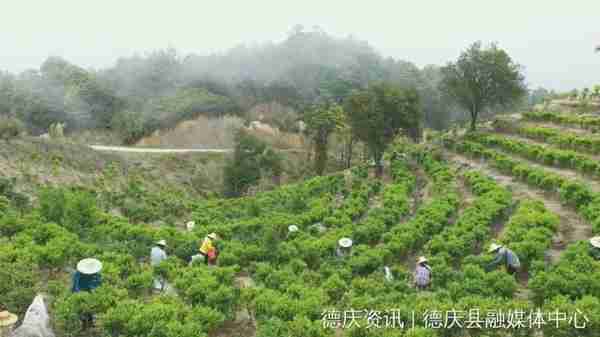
<point>554,40</point>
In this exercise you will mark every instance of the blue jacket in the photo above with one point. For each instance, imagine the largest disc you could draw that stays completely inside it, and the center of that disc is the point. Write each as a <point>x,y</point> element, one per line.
<point>83,282</point>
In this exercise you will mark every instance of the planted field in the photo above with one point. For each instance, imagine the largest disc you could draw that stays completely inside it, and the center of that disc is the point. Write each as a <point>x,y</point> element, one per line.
<point>448,204</point>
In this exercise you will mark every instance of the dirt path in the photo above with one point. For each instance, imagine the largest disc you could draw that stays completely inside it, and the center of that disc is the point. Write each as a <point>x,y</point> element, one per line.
<point>153,150</point>
<point>572,226</point>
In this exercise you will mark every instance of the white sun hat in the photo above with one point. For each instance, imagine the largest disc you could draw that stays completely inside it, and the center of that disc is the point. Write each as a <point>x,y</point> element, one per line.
<point>162,243</point>
<point>345,242</point>
<point>7,319</point>
<point>595,241</point>
<point>494,247</point>
<point>89,266</point>
<point>293,228</point>
<point>422,259</point>
<point>212,236</point>
<point>190,225</point>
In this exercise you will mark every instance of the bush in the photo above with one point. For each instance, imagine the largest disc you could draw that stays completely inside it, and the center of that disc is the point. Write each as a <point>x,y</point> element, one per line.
<point>10,128</point>
<point>75,210</point>
<point>129,125</point>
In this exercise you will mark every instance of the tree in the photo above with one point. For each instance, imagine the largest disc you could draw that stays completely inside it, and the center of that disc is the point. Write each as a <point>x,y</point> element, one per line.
<point>379,112</point>
<point>585,93</point>
<point>251,161</point>
<point>483,78</point>
<point>321,121</point>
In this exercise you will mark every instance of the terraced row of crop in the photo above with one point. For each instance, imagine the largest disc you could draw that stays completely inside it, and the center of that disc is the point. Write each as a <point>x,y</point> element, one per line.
<point>431,217</point>
<point>586,122</point>
<point>473,227</point>
<point>572,192</point>
<point>541,154</point>
<point>530,230</point>
<point>562,139</point>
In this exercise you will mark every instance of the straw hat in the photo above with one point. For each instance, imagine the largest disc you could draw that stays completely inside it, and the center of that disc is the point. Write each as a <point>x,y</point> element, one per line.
<point>293,228</point>
<point>494,247</point>
<point>212,236</point>
<point>422,259</point>
<point>7,319</point>
<point>345,242</point>
<point>89,266</point>
<point>595,241</point>
<point>162,243</point>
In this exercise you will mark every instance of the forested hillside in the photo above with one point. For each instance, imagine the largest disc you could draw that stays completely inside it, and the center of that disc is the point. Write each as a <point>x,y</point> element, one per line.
<point>142,93</point>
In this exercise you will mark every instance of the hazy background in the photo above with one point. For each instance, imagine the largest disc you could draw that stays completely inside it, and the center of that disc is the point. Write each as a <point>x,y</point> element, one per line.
<point>553,40</point>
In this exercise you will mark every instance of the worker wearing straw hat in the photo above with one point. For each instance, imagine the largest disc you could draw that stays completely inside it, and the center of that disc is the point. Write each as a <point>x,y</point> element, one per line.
<point>344,247</point>
<point>158,255</point>
<point>506,256</point>
<point>595,247</point>
<point>209,249</point>
<point>190,225</point>
<point>292,230</point>
<point>87,278</point>
<point>422,274</point>
<point>7,323</point>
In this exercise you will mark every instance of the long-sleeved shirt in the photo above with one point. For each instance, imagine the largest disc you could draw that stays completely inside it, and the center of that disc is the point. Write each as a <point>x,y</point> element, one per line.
<point>207,245</point>
<point>422,275</point>
<point>595,253</point>
<point>84,282</point>
<point>157,255</point>
<point>507,256</point>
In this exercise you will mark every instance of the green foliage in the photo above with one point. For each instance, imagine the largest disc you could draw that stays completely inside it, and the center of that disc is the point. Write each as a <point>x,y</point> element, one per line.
<point>10,128</point>
<point>14,198</point>
<point>321,121</point>
<point>74,209</point>
<point>251,159</point>
<point>162,317</point>
<point>129,125</point>
<point>209,287</point>
<point>18,273</point>
<point>572,192</point>
<point>377,114</point>
<point>483,78</point>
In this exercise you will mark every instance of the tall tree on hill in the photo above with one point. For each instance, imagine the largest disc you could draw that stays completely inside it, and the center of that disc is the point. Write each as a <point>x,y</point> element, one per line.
<point>321,121</point>
<point>251,161</point>
<point>379,113</point>
<point>483,78</point>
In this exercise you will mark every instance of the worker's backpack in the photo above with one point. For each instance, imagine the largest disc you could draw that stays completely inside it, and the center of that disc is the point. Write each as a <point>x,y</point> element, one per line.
<point>211,255</point>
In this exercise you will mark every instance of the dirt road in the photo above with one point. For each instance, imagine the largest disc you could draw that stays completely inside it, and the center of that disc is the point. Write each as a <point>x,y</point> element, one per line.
<point>154,150</point>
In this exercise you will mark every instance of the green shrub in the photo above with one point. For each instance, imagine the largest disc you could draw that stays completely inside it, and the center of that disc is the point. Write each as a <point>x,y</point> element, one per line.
<point>10,128</point>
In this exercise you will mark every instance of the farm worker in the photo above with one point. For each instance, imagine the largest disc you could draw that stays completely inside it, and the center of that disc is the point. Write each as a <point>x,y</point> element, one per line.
<point>595,247</point>
<point>388,274</point>
<point>208,248</point>
<point>7,323</point>
<point>190,225</point>
<point>87,278</point>
<point>158,255</point>
<point>506,256</point>
<point>422,274</point>
<point>36,322</point>
<point>292,229</point>
<point>344,247</point>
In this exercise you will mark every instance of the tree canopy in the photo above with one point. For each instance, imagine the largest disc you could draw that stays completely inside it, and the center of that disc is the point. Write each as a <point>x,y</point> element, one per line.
<point>321,121</point>
<point>379,113</point>
<point>483,78</point>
